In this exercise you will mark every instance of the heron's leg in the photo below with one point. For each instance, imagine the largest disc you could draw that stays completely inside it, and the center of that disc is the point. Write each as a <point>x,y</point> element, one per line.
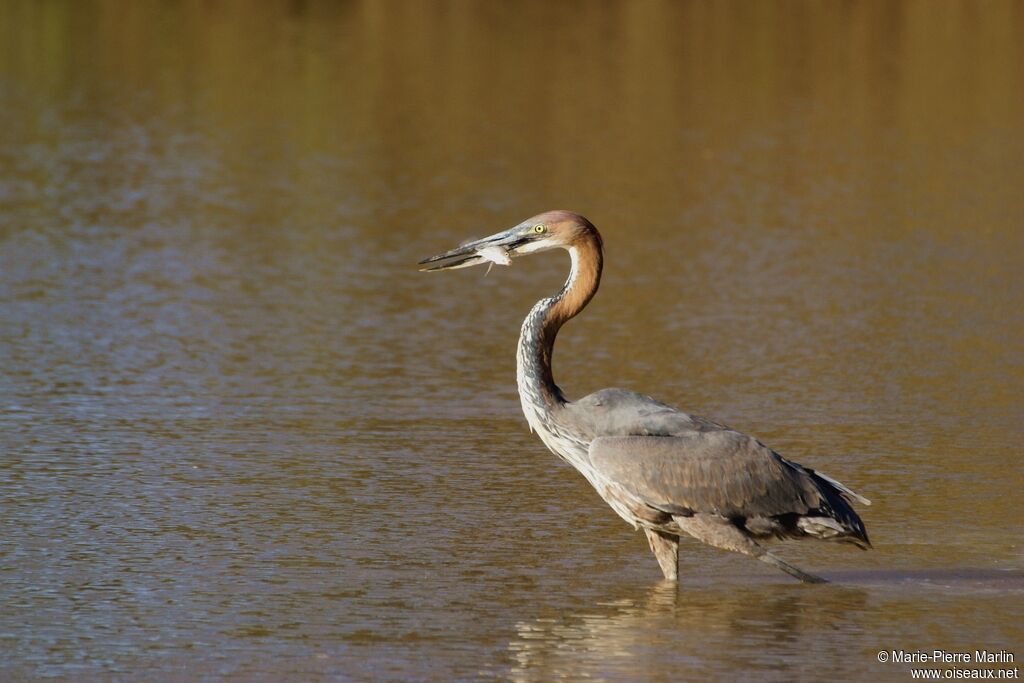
<point>666,548</point>
<point>779,563</point>
<point>721,533</point>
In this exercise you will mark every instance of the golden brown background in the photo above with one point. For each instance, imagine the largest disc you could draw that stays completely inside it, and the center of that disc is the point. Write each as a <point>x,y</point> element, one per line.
<point>243,438</point>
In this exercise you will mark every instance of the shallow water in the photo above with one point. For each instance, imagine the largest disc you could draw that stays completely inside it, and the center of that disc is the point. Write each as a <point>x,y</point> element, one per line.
<point>243,438</point>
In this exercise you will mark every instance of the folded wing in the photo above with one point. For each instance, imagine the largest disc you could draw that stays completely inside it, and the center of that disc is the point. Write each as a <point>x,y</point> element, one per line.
<point>722,472</point>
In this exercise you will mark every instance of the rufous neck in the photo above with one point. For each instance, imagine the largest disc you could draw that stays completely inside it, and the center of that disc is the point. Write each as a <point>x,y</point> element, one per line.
<point>537,340</point>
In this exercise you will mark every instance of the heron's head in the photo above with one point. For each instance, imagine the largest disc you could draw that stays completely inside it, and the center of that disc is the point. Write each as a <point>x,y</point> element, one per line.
<point>550,230</point>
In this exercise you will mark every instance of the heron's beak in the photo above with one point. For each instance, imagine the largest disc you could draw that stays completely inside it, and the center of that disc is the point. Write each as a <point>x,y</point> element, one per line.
<point>494,249</point>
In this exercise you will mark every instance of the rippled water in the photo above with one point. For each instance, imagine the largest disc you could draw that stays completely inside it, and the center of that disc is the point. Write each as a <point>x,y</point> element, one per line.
<point>243,438</point>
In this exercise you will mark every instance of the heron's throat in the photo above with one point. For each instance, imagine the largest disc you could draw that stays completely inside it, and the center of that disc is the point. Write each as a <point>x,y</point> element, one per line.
<point>537,389</point>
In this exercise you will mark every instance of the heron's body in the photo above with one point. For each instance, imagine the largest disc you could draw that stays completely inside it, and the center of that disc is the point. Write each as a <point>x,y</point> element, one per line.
<point>657,467</point>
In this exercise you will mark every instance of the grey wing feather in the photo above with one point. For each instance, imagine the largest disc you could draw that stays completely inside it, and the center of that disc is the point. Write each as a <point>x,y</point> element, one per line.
<point>721,471</point>
<point>617,412</point>
<point>681,464</point>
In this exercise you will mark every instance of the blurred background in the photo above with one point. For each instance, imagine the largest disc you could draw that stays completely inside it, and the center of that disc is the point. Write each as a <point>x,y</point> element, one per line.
<point>243,438</point>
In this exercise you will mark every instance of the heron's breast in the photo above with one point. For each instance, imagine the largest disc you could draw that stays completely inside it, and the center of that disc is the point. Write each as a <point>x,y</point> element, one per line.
<point>626,504</point>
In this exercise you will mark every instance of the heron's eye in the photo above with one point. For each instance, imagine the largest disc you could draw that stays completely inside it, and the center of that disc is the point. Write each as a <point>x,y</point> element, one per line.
<point>539,229</point>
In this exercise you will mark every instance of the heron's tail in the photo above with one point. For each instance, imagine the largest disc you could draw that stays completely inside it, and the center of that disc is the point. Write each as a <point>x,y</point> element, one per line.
<point>835,519</point>
<point>847,493</point>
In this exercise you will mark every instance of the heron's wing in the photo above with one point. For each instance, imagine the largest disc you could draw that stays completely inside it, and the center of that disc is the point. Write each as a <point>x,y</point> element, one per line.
<point>719,471</point>
<point>617,412</point>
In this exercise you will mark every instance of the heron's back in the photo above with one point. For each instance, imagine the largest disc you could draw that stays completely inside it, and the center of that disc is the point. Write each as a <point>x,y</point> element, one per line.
<point>648,457</point>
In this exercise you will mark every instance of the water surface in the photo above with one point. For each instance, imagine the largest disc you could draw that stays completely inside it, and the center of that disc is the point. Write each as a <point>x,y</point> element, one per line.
<point>243,438</point>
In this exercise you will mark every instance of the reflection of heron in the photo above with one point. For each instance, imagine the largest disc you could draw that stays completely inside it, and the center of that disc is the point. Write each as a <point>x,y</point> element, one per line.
<point>659,468</point>
<point>695,633</point>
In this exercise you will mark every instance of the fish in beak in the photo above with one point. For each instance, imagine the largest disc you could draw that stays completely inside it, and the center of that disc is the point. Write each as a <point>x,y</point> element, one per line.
<point>499,248</point>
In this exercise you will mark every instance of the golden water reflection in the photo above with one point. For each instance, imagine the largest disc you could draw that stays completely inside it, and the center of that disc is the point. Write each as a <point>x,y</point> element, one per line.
<point>789,633</point>
<point>243,437</point>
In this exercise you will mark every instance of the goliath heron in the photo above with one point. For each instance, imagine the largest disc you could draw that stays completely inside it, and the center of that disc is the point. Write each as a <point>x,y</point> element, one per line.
<point>657,467</point>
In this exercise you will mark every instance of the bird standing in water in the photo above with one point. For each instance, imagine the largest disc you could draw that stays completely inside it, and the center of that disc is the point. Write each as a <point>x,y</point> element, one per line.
<point>660,469</point>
